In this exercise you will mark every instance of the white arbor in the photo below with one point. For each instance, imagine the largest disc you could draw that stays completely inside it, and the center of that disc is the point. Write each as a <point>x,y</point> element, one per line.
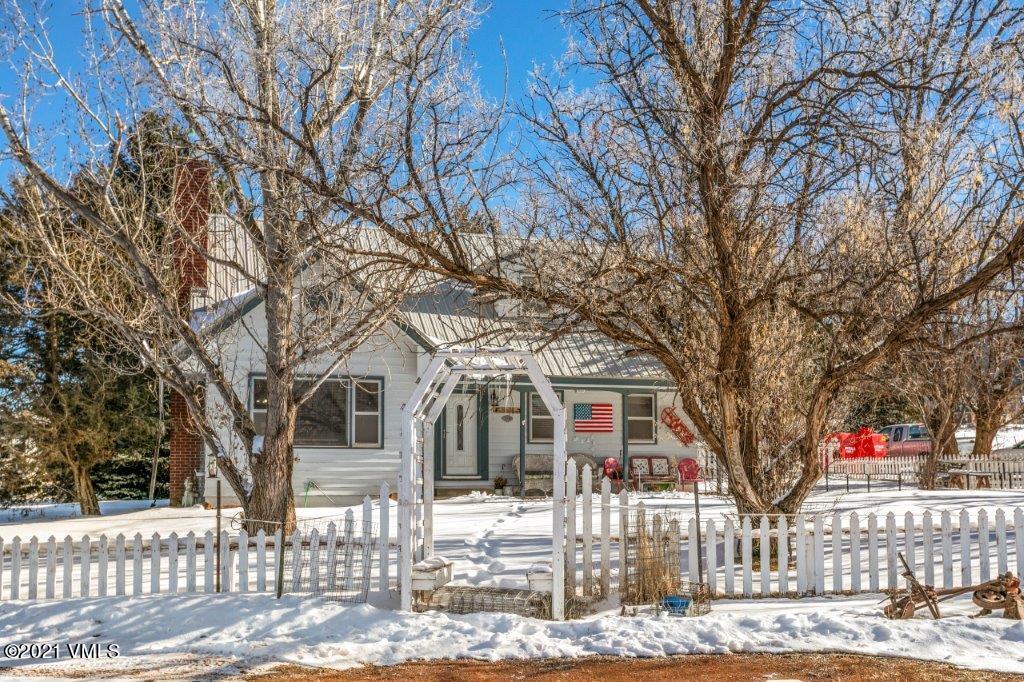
<point>416,476</point>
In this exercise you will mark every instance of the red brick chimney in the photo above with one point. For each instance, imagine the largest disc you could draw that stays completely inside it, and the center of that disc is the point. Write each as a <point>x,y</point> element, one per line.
<point>191,215</point>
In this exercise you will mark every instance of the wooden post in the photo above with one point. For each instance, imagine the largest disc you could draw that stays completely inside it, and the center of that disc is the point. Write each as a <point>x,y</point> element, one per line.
<point>606,529</point>
<point>217,548</point>
<point>383,579</point>
<point>588,530</point>
<point>570,528</point>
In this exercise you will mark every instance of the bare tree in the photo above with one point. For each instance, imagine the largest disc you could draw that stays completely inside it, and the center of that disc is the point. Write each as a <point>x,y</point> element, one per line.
<point>278,99</point>
<point>736,198</point>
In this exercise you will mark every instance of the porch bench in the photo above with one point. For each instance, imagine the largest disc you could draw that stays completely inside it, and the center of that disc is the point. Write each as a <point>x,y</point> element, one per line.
<point>540,468</point>
<point>650,469</point>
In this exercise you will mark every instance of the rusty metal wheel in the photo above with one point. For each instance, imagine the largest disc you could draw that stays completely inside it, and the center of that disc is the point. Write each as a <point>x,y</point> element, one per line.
<point>900,609</point>
<point>990,598</point>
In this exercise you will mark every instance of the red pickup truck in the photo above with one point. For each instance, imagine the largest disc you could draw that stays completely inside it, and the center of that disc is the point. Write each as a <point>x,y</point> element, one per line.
<point>907,439</point>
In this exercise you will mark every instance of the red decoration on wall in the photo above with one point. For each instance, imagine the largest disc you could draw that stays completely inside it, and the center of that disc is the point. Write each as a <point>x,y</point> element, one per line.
<point>670,419</point>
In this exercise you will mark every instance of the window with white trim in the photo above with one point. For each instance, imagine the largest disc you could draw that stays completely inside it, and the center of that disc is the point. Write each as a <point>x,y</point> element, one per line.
<point>342,412</point>
<point>367,416</point>
<point>541,424</point>
<point>642,425</point>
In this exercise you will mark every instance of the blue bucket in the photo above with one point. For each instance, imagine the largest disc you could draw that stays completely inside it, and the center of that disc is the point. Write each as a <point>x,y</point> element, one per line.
<point>676,604</point>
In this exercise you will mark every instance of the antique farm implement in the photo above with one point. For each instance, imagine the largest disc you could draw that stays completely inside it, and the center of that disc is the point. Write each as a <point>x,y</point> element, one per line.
<point>1003,593</point>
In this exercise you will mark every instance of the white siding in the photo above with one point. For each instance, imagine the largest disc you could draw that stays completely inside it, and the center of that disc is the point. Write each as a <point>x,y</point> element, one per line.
<point>344,474</point>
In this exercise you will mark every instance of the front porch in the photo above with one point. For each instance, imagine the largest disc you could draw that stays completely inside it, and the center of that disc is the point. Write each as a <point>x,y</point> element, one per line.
<point>488,428</point>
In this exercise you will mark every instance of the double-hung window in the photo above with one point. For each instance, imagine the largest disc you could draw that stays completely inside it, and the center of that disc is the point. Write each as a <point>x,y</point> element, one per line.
<point>642,422</point>
<point>367,416</point>
<point>541,424</point>
<point>341,412</point>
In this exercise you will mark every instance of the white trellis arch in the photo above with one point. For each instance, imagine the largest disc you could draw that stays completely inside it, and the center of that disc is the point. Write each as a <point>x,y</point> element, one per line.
<point>416,476</point>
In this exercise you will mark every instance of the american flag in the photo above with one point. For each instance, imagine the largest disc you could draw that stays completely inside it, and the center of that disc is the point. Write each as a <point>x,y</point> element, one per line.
<point>592,417</point>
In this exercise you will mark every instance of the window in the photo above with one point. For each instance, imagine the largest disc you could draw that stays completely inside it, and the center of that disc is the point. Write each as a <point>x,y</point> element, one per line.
<point>897,434</point>
<point>918,432</point>
<point>338,407</point>
<point>367,416</point>
<point>541,423</point>
<point>641,425</point>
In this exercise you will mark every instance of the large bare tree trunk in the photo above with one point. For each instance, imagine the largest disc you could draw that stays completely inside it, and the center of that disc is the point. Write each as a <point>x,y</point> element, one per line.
<point>987,425</point>
<point>942,423</point>
<point>85,494</point>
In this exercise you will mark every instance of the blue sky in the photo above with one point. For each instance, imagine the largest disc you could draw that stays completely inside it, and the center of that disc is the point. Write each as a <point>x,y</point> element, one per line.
<point>526,30</point>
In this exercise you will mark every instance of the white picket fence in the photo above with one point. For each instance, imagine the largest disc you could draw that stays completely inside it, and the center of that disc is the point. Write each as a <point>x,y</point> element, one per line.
<point>848,554</point>
<point>997,472</point>
<point>35,568</point>
<point>825,552</point>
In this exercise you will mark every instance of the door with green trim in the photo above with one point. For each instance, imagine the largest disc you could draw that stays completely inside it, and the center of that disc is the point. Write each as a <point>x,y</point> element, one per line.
<point>461,435</point>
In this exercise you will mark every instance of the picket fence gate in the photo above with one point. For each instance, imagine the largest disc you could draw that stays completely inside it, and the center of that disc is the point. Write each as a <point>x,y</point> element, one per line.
<point>824,552</point>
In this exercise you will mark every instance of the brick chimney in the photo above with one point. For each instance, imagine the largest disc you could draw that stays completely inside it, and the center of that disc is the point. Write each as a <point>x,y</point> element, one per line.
<point>191,215</point>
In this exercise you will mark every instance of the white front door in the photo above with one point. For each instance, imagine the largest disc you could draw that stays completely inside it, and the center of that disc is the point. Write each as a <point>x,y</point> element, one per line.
<point>460,436</point>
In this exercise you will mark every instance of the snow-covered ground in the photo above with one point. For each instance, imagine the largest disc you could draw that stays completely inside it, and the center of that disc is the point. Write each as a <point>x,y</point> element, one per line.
<point>492,541</point>
<point>194,636</point>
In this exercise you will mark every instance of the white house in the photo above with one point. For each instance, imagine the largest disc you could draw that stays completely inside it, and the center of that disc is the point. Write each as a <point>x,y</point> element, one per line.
<point>347,437</point>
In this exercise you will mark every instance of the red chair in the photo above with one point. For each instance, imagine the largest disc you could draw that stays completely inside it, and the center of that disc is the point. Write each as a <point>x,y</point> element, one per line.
<point>689,472</point>
<point>613,471</point>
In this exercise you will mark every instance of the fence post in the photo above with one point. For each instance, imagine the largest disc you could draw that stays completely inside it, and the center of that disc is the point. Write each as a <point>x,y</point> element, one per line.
<point>928,550</point>
<point>33,568</point>
<point>84,582</point>
<point>190,562</point>
<point>606,530</point>
<point>623,536</point>
<point>588,530</point>
<point>910,541</point>
<point>965,548</point>
<point>119,559</point>
<point>855,567</point>
<point>947,550</point>
<point>1018,535</point>
<point>570,528</point>
<point>819,555</point>
<point>154,564</point>
<point>217,548</point>
<point>692,543</point>
<point>729,557</point>
<point>367,546</point>
<point>101,569</point>
<point>890,550</point>
<point>1002,563</point>
<point>16,568</point>
<point>51,566</point>
<point>837,553</point>
<point>745,548</point>
<point>711,549</point>
<point>209,564</point>
<point>384,579</point>
<point>984,558</point>
<point>243,561</point>
<point>766,557</point>
<point>873,578</point>
<point>136,564</point>
<point>801,555</point>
